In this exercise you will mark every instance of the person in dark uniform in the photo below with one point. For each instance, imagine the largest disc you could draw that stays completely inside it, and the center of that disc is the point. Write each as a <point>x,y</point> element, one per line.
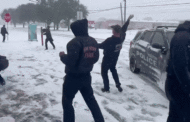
<point>177,85</point>
<point>48,37</point>
<point>112,47</point>
<point>3,32</point>
<point>82,54</point>
<point>4,63</point>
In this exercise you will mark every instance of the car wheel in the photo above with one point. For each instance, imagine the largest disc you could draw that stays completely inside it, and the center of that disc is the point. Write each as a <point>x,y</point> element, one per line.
<point>133,65</point>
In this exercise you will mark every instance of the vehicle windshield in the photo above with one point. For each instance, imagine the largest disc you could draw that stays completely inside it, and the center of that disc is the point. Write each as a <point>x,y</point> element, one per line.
<point>170,36</point>
<point>137,36</point>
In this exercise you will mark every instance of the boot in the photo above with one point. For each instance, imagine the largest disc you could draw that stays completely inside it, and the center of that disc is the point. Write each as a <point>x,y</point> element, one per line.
<point>104,90</point>
<point>119,89</point>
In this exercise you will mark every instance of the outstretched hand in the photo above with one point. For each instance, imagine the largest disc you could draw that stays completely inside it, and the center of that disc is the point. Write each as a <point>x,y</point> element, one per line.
<point>61,54</point>
<point>131,16</point>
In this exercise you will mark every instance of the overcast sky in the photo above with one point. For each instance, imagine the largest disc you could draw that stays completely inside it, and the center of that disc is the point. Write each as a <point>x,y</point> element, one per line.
<point>140,8</point>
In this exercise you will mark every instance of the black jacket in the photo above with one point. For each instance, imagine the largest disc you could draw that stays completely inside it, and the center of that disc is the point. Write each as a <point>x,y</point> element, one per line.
<point>113,45</point>
<point>4,31</point>
<point>179,63</point>
<point>4,63</point>
<point>47,33</point>
<point>82,51</point>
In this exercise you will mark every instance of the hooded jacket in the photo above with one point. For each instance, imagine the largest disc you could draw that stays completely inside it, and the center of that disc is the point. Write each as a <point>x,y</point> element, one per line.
<point>179,63</point>
<point>82,51</point>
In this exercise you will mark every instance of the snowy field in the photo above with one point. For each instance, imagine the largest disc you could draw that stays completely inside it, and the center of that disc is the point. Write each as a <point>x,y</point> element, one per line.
<point>34,79</point>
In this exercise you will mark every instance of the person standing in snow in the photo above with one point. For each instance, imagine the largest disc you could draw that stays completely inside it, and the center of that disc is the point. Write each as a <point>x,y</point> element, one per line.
<point>177,85</point>
<point>4,63</point>
<point>48,38</point>
<point>82,54</point>
<point>112,47</point>
<point>3,32</point>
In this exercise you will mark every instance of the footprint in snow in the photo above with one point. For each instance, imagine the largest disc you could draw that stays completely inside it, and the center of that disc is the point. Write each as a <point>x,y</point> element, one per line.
<point>158,105</point>
<point>153,114</point>
<point>131,86</point>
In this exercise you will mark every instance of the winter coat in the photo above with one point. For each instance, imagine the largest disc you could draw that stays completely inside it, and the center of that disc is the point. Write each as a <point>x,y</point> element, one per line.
<point>4,63</point>
<point>48,34</point>
<point>4,31</point>
<point>113,45</point>
<point>178,71</point>
<point>82,51</point>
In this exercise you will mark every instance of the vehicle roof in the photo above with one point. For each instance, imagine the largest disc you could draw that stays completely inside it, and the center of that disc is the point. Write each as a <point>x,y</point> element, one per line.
<point>167,29</point>
<point>161,28</point>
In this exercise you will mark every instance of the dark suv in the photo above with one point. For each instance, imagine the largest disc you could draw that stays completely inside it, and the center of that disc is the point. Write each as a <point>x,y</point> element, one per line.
<point>149,51</point>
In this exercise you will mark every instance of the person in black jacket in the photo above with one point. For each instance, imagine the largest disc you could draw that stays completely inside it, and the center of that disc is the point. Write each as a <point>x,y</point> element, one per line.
<point>3,32</point>
<point>48,37</point>
<point>82,54</point>
<point>4,63</point>
<point>177,85</point>
<point>112,47</point>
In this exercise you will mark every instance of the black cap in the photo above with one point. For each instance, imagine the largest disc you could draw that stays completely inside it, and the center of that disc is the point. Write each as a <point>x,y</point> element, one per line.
<point>116,28</point>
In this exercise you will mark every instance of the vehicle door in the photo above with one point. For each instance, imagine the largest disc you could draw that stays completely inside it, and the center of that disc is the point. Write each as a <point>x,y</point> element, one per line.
<point>140,47</point>
<point>156,53</point>
<point>169,35</point>
<point>133,43</point>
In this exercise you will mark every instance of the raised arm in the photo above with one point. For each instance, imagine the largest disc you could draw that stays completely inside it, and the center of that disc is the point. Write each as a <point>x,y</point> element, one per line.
<point>125,26</point>
<point>103,44</point>
<point>6,32</point>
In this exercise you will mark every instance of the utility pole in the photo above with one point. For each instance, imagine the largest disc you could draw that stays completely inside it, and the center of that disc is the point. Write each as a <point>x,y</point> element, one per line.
<point>79,12</point>
<point>121,14</point>
<point>78,6</point>
<point>124,11</point>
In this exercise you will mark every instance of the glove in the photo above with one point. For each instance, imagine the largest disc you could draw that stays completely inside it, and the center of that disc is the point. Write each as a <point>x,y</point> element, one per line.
<point>61,54</point>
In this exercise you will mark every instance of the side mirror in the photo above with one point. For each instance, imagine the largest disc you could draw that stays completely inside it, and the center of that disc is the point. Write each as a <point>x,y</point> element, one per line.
<point>164,50</point>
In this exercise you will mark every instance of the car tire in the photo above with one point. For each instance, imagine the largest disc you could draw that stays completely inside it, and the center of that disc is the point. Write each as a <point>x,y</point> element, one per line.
<point>133,65</point>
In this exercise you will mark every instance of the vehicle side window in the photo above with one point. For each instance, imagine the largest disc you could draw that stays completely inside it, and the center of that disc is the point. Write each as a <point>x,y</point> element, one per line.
<point>146,36</point>
<point>137,36</point>
<point>158,38</point>
<point>170,36</point>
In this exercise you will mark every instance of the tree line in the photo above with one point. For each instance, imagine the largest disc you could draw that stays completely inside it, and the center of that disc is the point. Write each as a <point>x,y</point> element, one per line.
<point>47,11</point>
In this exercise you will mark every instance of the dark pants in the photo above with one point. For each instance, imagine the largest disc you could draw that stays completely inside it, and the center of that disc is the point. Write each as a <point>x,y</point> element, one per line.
<point>109,65</point>
<point>179,109</point>
<point>3,37</point>
<point>51,41</point>
<point>71,86</point>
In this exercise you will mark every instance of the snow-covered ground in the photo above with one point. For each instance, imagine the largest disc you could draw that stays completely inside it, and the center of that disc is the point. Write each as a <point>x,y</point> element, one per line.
<point>34,81</point>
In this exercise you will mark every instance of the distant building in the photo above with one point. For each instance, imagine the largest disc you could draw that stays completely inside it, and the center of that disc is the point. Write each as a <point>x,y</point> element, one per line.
<point>106,24</point>
<point>150,24</point>
<point>134,24</point>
